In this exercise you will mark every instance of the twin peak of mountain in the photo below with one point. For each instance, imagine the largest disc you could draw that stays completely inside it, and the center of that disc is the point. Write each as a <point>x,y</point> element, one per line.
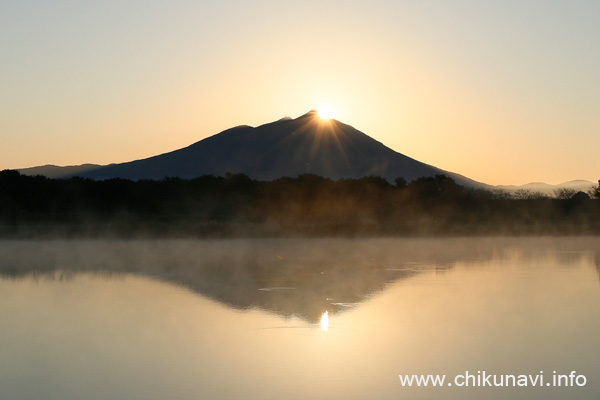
<point>286,147</point>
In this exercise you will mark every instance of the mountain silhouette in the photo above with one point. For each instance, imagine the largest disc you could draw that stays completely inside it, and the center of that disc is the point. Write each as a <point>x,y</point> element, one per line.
<point>287,147</point>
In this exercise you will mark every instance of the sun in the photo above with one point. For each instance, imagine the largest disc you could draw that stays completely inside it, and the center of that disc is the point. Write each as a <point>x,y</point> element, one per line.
<point>325,112</point>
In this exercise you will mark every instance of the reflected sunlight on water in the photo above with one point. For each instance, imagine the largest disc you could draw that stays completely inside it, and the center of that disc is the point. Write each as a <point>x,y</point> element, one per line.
<point>324,321</point>
<point>96,334</point>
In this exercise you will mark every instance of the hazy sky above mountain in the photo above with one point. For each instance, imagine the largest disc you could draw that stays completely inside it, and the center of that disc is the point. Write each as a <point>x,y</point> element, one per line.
<point>504,92</point>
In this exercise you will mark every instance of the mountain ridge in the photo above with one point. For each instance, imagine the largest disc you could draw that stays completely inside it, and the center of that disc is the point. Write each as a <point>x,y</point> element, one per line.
<point>286,147</point>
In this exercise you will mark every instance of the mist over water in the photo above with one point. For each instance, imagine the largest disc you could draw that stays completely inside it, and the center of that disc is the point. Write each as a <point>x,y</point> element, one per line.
<point>243,318</point>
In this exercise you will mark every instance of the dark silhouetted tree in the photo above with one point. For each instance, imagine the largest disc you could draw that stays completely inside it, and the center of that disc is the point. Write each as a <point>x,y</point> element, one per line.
<point>400,182</point>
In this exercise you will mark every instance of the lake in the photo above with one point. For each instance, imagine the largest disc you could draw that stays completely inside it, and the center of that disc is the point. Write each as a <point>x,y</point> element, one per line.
<point>299,318</point>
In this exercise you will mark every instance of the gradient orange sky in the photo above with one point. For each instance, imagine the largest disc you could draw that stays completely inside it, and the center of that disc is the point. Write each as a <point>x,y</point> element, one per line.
<point>504,92</point>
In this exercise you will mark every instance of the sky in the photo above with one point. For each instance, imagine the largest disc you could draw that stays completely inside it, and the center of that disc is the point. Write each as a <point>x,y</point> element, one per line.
<point>503,92</point>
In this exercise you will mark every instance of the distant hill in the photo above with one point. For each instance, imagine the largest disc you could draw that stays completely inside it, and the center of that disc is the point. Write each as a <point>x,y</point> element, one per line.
<point>287,147</point>
<point>54,171</point>
<point>577,185</point>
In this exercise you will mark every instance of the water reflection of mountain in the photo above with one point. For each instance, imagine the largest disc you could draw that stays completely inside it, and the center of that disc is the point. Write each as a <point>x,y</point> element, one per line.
<point>300,277</point>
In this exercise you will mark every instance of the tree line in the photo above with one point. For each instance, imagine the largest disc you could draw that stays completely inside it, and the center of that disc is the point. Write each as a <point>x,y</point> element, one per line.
<point>304,205</point>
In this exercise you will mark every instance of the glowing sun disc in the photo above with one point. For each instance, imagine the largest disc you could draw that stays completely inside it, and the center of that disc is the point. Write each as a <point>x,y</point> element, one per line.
<point>325,112</point>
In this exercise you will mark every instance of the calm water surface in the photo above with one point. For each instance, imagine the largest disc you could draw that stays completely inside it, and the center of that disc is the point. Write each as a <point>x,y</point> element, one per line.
<point>243,319</point>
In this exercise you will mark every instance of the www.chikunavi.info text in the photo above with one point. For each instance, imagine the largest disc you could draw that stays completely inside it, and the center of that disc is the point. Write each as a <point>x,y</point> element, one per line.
<point>484,379</point>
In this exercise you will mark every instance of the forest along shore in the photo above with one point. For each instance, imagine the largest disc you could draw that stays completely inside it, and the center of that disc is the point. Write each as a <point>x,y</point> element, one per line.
<point>308,205</point>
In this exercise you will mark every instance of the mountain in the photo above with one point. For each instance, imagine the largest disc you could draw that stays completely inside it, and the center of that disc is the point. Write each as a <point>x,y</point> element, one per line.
<point>287,147</point>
